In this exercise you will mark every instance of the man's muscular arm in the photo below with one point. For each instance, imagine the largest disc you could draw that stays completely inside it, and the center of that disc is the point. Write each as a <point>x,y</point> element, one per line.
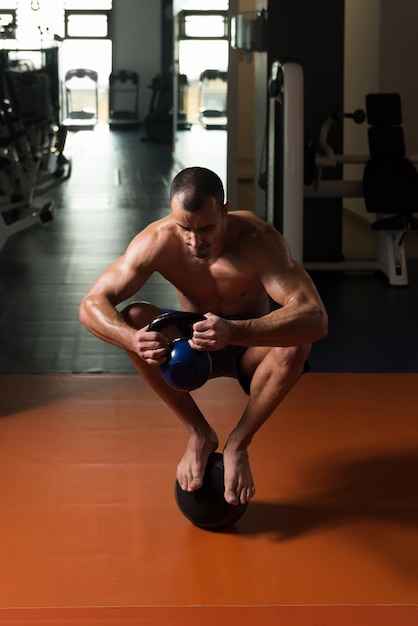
<point>121,280</point>
<point>302,317</point>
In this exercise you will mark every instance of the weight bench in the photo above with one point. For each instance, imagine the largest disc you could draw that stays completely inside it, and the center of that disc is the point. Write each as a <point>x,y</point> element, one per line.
<point>390,184</point>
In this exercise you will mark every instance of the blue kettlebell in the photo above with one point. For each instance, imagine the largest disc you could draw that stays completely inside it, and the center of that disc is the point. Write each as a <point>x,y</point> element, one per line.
<point>185,369</point>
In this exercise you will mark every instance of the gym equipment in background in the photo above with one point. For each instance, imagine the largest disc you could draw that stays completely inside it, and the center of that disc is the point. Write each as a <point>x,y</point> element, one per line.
<point>182,121</point>
<point>286,88</point>
<point>381,171</point>
<point>123,100</point>
<point>206,507</point>
<point>159,121</point>
<point>213,106</point>
<point>390,180</point>
<point>303,169</point>
<point>81,99</point>
<point>186,369</point>
<point>32,144</point>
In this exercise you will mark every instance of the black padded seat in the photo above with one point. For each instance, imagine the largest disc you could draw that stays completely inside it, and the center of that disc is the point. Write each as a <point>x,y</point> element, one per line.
<point>390,179</point>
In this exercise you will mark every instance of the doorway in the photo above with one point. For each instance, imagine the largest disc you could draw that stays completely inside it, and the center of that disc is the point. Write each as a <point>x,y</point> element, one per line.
<point>87,45</point>
<point>201,60</point>
<point>99,55</point>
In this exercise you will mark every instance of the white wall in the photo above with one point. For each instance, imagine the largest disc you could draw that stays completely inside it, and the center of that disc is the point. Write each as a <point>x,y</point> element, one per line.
<point>361,76</point>
<point>137,43</point>
<point>398,57</point>
<point>361,71</point>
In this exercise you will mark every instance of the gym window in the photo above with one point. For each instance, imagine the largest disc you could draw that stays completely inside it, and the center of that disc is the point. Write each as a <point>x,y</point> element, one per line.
<point>8,23</point>
<point>203,24</point>
<point>87,5</point>
<point>76,19</point>
<point>87,24</point>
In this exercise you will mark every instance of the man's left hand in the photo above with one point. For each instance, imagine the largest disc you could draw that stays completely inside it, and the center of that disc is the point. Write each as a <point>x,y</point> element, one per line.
<point>212,333</point>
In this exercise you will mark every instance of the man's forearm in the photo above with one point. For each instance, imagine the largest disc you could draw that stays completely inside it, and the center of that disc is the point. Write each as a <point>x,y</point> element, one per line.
<point>104,321</point>
<point>288,326</point>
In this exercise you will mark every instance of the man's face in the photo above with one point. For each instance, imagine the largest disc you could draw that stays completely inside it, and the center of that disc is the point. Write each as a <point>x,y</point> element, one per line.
<point>202,230</point>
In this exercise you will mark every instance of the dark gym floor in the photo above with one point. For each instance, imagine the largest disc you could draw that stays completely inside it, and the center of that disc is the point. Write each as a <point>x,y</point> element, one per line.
<point>118,185</point>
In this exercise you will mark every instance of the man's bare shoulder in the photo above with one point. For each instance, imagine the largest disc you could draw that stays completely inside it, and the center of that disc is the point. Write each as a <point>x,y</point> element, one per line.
<point>163,227</point>
<point>154,238</point>
<point>248,220</point>
<point>250,230</point>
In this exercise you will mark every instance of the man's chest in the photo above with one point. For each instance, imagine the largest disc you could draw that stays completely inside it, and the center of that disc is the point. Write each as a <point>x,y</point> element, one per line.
<point>218,285</point>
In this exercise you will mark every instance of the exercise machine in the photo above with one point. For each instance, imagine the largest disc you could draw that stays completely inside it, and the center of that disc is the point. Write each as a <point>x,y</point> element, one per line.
<point>159,120</point>
<point>213,93</point>
<point>286,92</point>
<point>302,177</point>
<point>81,99</point>
<point>123,100</point>
<point>390,256</point>
<point>32,160</point>
<point>28,171</point>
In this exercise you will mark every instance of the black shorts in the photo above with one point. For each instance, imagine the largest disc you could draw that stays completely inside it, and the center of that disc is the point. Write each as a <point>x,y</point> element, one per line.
<point>225,363</point>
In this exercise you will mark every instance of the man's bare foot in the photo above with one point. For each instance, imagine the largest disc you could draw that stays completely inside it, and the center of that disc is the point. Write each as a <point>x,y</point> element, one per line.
<point>191,469</point>
<point>239,484</point>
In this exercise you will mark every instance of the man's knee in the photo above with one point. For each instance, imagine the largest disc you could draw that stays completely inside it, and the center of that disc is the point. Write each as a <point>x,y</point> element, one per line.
<point>138,314</point>
<point>293,358</point>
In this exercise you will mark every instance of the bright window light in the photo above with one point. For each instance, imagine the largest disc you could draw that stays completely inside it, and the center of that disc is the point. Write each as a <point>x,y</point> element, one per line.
<point>6,19</point>
<point>87,25</point>
<point>86,5</point>
<point>205,26</point>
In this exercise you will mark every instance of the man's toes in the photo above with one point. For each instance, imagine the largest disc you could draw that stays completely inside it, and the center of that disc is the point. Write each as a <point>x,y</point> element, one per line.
<point>231,497</point>
<point>246,495</point>
<point>240,496</point>
<point>182,482</point>
<point>195,483</point>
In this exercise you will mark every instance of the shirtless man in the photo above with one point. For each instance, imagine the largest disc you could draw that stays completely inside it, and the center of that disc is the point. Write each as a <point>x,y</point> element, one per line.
<point>226,266</point>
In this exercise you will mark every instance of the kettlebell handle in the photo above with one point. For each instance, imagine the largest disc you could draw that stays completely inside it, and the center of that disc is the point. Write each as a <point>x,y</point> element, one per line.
<point>175,317</point>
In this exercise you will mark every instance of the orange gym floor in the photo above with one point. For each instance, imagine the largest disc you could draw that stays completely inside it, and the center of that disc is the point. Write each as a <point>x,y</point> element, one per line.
<point>90,533</point>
